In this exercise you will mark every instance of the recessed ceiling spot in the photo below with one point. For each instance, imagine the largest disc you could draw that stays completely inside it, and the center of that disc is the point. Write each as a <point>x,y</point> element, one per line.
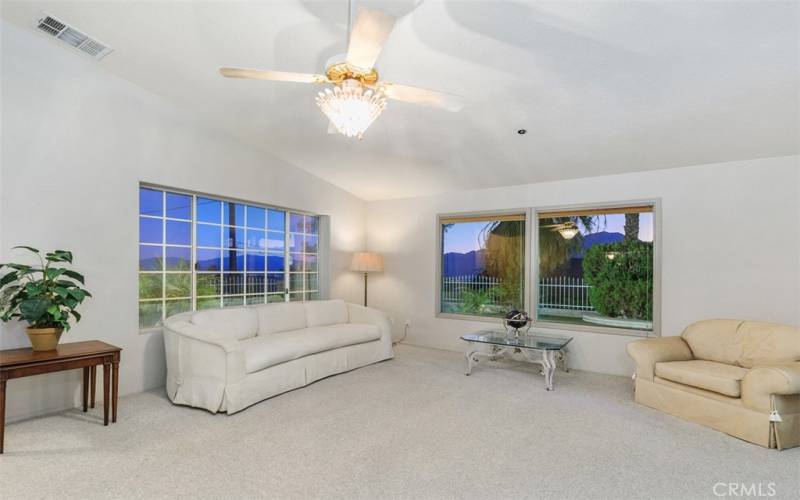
<point>522,131</point>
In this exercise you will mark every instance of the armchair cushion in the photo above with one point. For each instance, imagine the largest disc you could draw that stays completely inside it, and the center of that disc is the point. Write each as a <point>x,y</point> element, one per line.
<point>713,340</point>
<point>647,352</point>
<point>708,375</point>
<point>768,344</point>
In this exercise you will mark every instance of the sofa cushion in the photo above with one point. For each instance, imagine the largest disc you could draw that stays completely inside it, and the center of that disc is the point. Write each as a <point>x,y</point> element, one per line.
<point>710,375</point>
<point>325,338</point>
<point>281,317</point>
<point>325,312</point>
<point>713,340</point>
<point>764,343</point>
<point>236,323</point>
<point>269,350</point>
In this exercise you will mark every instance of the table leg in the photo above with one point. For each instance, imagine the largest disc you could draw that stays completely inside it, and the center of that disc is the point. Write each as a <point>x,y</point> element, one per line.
<point>2,412</point>
<point>92,384</point>
<point>470,359</point>
<point>106,385</point>
<point>549,368</point>
<point>85,388</point>
<point>114,391</point>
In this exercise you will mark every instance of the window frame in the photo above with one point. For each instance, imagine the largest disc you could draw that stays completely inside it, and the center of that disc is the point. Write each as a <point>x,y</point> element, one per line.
<point>534,275</point>
<point>322,254</point>
<point>440,254</point>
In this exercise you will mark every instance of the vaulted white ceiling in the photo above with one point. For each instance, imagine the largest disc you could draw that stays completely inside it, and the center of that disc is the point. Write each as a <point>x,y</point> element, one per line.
<point>601,87</point>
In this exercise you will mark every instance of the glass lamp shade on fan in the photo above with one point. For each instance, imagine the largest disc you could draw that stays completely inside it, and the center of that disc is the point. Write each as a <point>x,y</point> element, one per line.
<point>350,107</point>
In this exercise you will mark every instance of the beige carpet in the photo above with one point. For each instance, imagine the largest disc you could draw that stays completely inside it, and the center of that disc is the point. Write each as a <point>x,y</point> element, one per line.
<point>412,427</point>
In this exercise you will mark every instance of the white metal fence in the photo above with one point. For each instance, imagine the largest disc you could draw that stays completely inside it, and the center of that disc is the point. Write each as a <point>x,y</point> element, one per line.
<point>555,292</point>
<point>564,292</point>
<point>454,287</point>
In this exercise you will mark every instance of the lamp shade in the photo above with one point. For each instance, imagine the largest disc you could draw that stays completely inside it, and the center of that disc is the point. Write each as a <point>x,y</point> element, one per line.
<point>367,262</point>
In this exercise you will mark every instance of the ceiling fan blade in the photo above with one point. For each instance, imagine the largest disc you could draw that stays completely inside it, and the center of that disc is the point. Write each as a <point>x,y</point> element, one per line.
<point>370,31</point>
<point>278,76</point>
<point>416,95</point>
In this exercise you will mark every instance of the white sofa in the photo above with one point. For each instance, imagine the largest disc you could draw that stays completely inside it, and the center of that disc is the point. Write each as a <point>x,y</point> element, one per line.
<point>228,359</point>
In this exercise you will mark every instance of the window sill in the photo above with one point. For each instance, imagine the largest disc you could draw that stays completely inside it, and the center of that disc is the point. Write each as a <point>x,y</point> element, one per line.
<point>467,317</point>
<point>549,325</point>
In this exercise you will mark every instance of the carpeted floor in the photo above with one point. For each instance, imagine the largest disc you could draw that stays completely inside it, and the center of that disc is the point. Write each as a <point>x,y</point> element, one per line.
<point>412,427</point>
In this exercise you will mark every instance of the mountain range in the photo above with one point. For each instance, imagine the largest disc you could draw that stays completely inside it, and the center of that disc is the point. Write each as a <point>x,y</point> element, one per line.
<point>467,264</point>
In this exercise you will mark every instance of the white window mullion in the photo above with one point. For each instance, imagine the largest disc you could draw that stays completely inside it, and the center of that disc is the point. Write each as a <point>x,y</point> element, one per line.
<point>193,257</point>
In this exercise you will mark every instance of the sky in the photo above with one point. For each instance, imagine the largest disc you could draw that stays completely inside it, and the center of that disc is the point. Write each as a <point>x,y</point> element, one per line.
<point>465,237</point>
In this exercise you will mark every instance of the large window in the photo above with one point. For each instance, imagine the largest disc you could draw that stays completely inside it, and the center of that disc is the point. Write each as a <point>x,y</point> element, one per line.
<point>198,252</point>
<point>482,264</point>
<point>595,267</point>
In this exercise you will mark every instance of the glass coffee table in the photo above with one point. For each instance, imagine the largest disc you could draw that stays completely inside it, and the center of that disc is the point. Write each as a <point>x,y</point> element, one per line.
<point>537,348</point>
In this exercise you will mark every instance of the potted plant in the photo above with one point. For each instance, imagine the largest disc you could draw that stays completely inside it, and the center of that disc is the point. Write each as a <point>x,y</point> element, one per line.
<point>45,297</point>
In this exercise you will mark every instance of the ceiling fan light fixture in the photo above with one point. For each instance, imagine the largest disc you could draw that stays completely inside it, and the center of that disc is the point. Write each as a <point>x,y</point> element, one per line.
<point>351,107</point>
<point>568,232</point>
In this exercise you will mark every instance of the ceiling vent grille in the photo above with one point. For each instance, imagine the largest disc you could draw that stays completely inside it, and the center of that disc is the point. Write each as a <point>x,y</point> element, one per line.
<point>72,36</point>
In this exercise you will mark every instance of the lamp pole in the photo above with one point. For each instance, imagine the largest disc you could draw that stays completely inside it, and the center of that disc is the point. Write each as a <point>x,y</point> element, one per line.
<point>365,289</point>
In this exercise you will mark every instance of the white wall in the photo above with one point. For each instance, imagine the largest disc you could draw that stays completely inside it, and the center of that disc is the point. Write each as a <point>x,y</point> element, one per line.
<point>730,248</point>
<point>76,143</point>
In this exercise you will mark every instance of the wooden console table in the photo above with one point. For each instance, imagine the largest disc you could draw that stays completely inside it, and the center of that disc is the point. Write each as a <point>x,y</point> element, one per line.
<point>16,363</point>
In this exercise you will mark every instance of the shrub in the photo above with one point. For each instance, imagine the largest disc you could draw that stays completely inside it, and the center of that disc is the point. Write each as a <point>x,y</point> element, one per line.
<point>621,279</point>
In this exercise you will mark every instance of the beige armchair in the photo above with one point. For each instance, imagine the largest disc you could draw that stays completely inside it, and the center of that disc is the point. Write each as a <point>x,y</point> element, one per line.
<point>739,377</point>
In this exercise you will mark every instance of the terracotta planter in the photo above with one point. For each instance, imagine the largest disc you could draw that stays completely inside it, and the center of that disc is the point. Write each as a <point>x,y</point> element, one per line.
<point>44,339</point>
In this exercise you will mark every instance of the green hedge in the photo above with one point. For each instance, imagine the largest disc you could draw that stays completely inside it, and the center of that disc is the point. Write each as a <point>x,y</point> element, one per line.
<point>621,286</point>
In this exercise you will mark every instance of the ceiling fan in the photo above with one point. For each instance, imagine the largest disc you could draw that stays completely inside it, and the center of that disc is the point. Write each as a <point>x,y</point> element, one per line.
<point>358,95</point>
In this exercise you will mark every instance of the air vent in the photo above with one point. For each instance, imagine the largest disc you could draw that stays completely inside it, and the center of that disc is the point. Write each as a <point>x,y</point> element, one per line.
<point>72,36</point>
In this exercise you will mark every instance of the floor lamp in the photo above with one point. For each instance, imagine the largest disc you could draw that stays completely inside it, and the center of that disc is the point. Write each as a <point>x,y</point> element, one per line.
<point>366,262</point>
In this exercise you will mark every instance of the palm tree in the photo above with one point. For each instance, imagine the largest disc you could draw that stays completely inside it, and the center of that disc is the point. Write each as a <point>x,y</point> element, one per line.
<point>631,226</point>
<point>505,256</point>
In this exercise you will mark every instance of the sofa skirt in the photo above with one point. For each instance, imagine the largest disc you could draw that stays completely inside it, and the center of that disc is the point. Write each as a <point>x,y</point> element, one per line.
<point>723,414</point>
<point>297,373</point>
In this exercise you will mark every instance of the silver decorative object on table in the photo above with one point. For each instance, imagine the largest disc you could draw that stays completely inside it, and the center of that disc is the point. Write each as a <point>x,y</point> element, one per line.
<point>515,321</point>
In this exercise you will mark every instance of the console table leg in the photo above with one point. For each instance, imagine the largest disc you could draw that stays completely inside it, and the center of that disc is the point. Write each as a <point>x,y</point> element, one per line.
<point>2,412</point>
<point>92,384</point>
<point>106,385</point>
<point>114,391</point>
<point>85,389</point>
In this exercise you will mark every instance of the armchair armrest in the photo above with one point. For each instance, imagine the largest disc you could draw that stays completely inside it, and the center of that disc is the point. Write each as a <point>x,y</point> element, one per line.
<point>647,352</point>
<point>762,382</point>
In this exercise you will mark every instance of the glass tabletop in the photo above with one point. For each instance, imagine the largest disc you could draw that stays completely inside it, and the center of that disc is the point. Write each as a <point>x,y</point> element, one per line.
<point>529,341</point>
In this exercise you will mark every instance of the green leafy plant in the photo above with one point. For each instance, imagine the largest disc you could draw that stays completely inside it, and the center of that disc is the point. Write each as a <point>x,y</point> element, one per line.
<point>45,296</point>
<point>621,279</point>
<point>472,301</point>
